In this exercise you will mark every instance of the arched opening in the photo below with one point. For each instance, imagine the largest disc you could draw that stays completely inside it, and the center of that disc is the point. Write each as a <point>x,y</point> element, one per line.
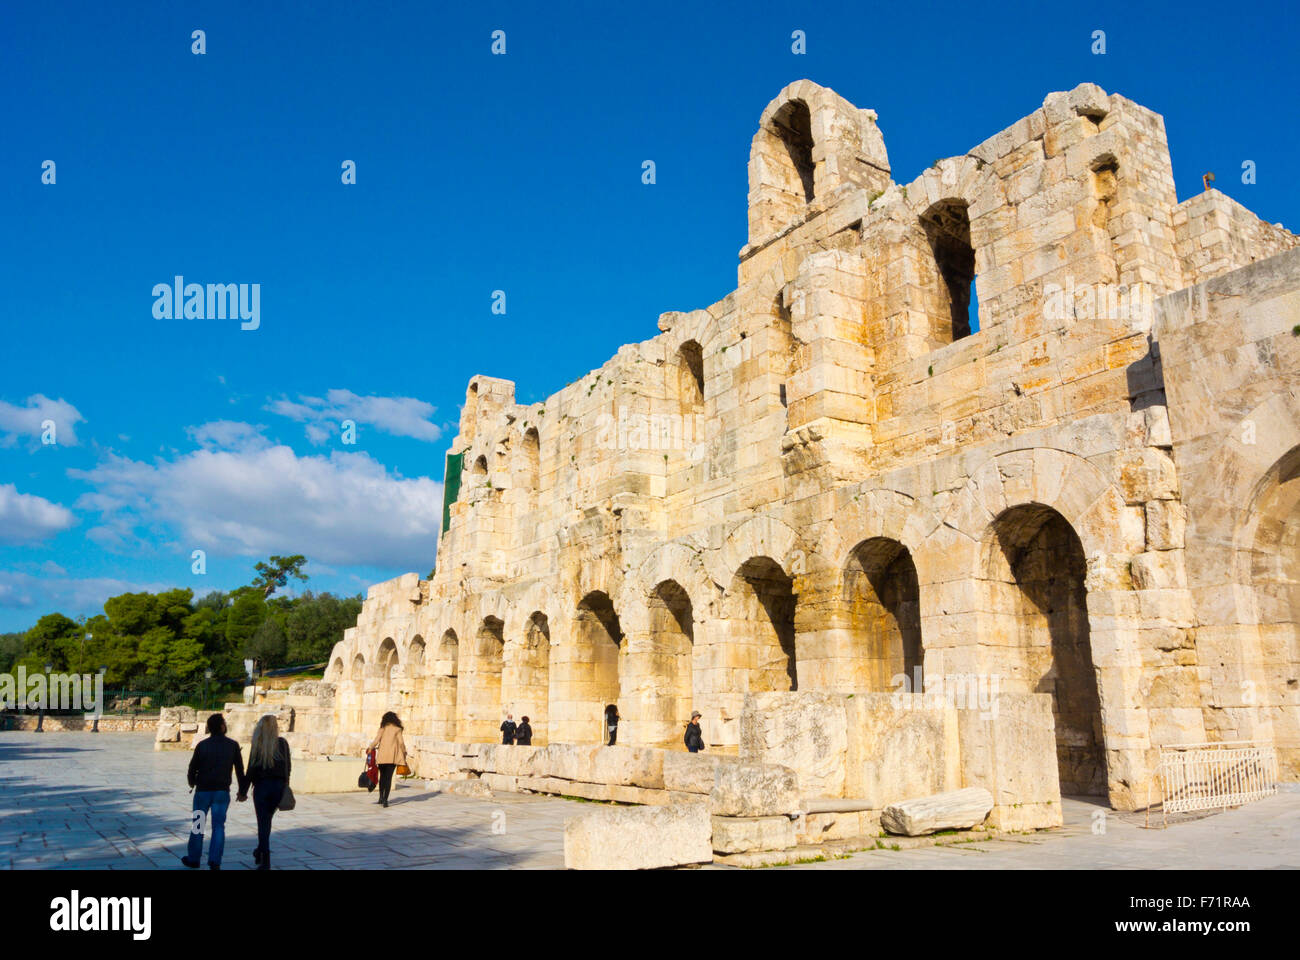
<point>793,124</point>
<point>385,661</point>
<point>480,467</point>
<point>359,670</point>
<point>444,670</point>
<point>672,650</point>
<point>884,616</point>
<point>336,671</point>
<point>532,461</point>
<point>947,228</point>
<point>1038,600</point>
<point>1274,559</point>
<point>528,676</point>
<point>415,657</point>
<point>690,373</point>
<point>480,699</point>
<point>598,638</point>
<point>760,608</point>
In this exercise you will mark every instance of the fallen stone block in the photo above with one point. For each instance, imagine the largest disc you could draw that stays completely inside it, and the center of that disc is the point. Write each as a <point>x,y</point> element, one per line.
<point>638,838</point>
<point>461,788</point>
<point>754,790</point>
<point>955,810</point>
<point>746,834</point>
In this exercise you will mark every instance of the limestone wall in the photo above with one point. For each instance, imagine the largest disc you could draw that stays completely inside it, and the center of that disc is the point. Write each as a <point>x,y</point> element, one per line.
<point>826,482</point>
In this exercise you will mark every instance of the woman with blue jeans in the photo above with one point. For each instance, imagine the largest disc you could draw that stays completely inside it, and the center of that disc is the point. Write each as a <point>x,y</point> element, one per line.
<point>269,767</point>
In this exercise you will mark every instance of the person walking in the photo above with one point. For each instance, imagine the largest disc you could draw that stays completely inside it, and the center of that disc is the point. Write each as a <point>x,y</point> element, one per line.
<point>694,735</point>
<point>611,722</point>
<point>524,734</point>
<point>390,750</point>
<point>215,757</point>
<point>508,729</point>
<point>269,767</point>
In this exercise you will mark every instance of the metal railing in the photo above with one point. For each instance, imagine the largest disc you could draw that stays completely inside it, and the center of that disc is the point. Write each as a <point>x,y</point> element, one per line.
<point>1213,776</point>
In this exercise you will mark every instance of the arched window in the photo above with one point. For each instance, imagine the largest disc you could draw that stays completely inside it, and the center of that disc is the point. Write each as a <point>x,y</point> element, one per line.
<point>947,227</point>
<point>690,364</point>
<point>793,124</point>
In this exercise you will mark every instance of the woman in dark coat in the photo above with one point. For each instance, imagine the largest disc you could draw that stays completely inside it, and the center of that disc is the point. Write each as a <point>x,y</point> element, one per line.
<point>269,767</point>
<point>524,733</point>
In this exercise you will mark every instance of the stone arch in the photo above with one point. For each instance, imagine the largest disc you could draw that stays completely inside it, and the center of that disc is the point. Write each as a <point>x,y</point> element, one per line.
<point>1033,583</point>
<point>586,670</point>
<point>810,141</point>
<point>1268,564</point>
<point>479,685</point>
<point>386,661</point>
<point>1064,481</point>
<point>415,652</point>
<point>758,536</point>
<point>947,230</point>
<point>690,377</point>
<point>759,612</point>
<point>882,603</point>
<point>444,671</point>
<point>358,671</point>
<point>335,674</point>
<point>532,461</point>
<point>526,679</point>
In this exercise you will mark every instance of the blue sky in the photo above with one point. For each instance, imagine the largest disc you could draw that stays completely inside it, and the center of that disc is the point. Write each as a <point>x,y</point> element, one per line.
<point>474,173</point>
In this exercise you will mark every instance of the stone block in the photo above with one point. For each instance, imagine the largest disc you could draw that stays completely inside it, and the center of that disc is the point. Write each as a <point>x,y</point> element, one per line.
<point>955,810</point>
<point>754,790</point>
<point>745,834</point>
<point>638,838</point>
<point>806,732</point>
<point>900,745</point>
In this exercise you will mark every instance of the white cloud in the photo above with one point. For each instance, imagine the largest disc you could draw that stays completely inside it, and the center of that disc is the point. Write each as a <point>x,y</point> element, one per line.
<point>345,508</point>
<point>72,596</point>
<point>399,416</point>
<point>25,517</point>
<point>17,422</point>
<point>228,434</point>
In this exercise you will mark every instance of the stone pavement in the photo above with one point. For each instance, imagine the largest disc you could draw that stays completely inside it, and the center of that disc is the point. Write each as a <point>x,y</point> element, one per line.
<point>97,801</point>
<point>109,801</point>
<point>1261,835</point>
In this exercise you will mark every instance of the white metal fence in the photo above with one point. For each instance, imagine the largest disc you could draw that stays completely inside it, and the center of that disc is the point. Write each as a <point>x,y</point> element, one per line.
<point>1209,776</point>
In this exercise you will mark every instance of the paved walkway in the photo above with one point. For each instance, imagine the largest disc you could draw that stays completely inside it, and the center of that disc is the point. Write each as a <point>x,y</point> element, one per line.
<point>109,801</point>
<point>1261,835</point>
<point>96,801</point>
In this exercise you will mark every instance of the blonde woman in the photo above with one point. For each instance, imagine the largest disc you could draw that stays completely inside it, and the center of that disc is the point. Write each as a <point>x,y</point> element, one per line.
<point>390,751</point>
<point>269,766</point>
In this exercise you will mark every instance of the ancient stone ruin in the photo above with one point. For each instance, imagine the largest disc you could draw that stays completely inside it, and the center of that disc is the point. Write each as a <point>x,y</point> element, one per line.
<point>988,480</point>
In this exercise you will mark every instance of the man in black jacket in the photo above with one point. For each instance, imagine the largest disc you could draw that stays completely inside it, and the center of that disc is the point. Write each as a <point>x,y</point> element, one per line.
<point>508,729</point>
<point>209,775</point>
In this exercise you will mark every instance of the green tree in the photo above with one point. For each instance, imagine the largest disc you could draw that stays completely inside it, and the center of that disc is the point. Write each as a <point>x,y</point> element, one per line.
<point>268,644</point>
<point>51,640</point>
<point>12,648</point>
<point>277,571</point>
<point>185,658</point>
<point>133,614</point>
<point>317,623</point>
<point>246,615</point>
<point>154,647</point>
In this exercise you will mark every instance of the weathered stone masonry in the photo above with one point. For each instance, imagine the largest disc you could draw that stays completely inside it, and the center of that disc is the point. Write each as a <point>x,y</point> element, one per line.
<point>825,480</point>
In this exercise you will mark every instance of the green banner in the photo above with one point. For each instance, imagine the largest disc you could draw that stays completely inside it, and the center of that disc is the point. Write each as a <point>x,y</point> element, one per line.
<point>451,486</point>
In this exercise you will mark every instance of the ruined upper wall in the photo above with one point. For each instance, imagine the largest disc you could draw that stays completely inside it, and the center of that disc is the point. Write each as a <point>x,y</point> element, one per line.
<point>1216,234</point>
